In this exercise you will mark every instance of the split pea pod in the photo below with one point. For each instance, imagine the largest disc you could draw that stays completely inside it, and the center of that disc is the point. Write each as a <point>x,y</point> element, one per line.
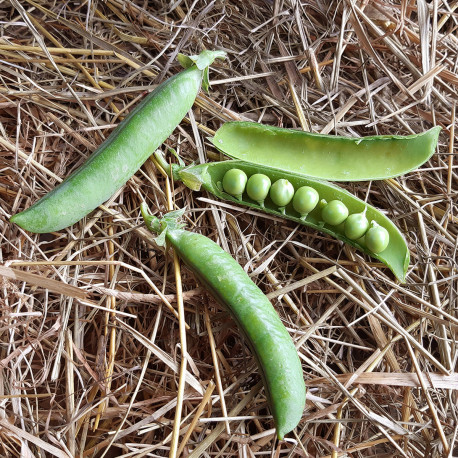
<point>326,157</point>
<point>122,154</point>
<point>395,254</point>
<point>255,316</point>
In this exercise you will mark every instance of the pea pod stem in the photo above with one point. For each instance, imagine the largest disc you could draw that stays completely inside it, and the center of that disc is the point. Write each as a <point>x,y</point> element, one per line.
<point>396,256</point>
<point>255,316</point>
<point>122,154</point>
<point>326,157</point>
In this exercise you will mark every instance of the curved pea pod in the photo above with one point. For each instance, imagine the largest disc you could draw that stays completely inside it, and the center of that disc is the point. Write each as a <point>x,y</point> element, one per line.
<point>396,255</point>
<point>255,316</point>
<point>326,157</point>
<point>122,154</point>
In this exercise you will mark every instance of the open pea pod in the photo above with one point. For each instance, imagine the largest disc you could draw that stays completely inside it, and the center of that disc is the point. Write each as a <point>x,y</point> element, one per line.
<point>210,177</point>
<point>326,157</point>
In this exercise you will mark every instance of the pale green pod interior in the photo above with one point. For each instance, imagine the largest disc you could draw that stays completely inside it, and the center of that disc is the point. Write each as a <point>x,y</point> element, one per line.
<point>326,157</point>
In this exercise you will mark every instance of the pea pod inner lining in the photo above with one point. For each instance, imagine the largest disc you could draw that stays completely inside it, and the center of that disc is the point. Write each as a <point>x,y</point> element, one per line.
<point>326,157</point>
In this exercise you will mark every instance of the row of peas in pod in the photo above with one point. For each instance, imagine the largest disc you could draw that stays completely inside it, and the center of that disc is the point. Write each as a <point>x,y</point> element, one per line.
<point>304,200</point>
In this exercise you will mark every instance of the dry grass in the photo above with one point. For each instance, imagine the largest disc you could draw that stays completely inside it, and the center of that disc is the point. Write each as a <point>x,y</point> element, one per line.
<point>90,347</point>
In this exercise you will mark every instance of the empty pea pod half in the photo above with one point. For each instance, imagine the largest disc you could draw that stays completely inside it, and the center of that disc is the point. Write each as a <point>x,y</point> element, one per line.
<point>321,198</point>
<point>123,153</point>
<point>326,157</point>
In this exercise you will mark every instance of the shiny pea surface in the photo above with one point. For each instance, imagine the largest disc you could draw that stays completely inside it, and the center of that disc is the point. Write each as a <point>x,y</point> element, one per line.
<point>258,187</point>
<point>334,212</point>
<point>377,238</point>
<point>282,192</point>
<point>356,226</point>
<point>305,200</point>
<point>234,182</point>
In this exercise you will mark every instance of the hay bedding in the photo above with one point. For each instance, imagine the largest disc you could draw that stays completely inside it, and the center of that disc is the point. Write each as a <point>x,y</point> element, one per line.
<point>90,351</point>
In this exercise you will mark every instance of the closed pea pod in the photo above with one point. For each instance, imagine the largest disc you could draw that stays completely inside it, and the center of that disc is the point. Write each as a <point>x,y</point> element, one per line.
<point>258,187</point>
<point>206,176</point>
<point>122,154</point>
<point>255,316</point>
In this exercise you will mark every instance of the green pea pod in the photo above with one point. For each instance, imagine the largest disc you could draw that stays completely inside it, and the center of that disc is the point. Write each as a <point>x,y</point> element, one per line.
<point>326,157</point>
<point>207,176</point>
<point>255,316</point>
<point>122,154</point>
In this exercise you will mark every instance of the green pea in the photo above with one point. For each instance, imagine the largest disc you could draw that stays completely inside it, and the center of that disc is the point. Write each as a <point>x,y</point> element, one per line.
<point>305,200</point>
<point>234,182</point>
<point>334,213</point>
<point>281,193</point>
<point>377,238</point>
<point>356,225</point>
<point>258,187</point>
